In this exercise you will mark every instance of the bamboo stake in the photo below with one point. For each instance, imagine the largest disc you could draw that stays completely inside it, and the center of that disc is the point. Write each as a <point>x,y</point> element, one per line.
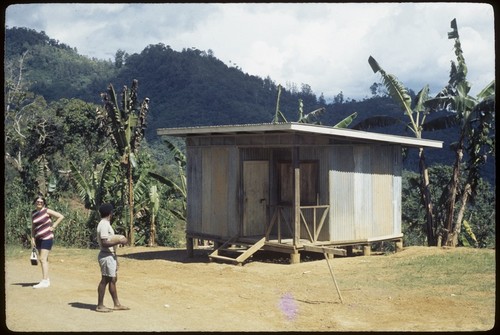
<point>333,277</point>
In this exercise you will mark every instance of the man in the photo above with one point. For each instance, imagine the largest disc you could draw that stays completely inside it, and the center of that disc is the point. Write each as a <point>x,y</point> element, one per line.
<point>108,262</point>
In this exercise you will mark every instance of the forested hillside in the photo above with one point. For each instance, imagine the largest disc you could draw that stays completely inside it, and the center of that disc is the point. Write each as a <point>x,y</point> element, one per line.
<point>185,88</point>
<point>192,87</point>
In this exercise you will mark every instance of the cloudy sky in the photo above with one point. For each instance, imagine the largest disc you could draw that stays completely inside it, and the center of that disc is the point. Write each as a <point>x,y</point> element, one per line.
<point>323,45</point>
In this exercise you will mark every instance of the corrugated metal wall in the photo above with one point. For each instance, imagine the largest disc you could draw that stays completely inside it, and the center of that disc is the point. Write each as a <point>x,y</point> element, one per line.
<point>365,186</point>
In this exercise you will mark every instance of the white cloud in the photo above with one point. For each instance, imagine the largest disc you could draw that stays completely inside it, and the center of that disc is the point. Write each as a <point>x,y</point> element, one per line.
<point>323,45</point>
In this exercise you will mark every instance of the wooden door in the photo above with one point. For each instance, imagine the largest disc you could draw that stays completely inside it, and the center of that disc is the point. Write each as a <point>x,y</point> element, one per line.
<point>255,197</point>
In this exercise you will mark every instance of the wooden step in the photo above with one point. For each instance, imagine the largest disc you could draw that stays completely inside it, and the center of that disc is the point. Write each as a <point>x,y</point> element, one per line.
<point>224,258</point>
<point>252,250</point>
<point>244,254</point>
<point>224,245</point>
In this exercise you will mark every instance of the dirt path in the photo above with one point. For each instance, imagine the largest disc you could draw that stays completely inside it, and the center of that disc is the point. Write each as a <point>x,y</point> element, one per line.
<point>168,292</point>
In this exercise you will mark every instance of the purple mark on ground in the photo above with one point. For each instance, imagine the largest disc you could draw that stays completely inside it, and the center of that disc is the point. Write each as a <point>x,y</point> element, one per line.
<point>288,306</point>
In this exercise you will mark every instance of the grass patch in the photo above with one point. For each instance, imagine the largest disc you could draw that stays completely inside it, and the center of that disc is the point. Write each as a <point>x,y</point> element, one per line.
<point>14,251</point>
<point>468,270</point>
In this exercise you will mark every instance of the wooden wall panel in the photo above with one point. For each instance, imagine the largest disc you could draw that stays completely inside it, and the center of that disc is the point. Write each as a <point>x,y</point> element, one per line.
<point>194,189</point>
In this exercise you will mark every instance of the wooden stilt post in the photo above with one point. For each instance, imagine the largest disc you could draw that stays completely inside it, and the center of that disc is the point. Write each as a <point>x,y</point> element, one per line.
<point>189,247</point>
<point>333,277</point>
<point>295,257</point>
<point>367,250</point>
<point>399,245</point>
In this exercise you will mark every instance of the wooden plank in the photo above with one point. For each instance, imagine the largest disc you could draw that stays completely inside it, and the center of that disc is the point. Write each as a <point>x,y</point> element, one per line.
<point>321,222</point>
<point>224,258</point>
<point>385,238</point>
<point>305,225</point>
<point>296,198</point>
<point>219,191</point>
<point>216,251</point>
<point>288,249</point>
<point>252,250</point>
<point>328,250</point>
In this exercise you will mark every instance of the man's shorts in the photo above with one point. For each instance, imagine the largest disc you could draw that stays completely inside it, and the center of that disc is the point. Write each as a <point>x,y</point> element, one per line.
<point>108,264</point>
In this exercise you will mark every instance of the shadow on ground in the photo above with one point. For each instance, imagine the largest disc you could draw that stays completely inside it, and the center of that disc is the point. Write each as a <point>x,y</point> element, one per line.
<point>82,305</point>
<point>24,284</point>
<point>174,255</point>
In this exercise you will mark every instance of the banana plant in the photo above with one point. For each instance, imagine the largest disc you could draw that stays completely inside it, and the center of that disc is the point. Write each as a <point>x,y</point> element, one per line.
<point>125,121</point>
<point>91,189</point>
<point>416,116</point>
<point>147,202</point>
<point>346,121</point>
<point>278,115</point>
<point>154,205</point>
<point>175,190</point>
<point>311,117</point>
<point>476,119</point>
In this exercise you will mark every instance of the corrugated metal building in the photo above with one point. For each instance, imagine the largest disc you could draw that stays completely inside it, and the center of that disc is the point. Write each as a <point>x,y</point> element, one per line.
<point>290,187</point>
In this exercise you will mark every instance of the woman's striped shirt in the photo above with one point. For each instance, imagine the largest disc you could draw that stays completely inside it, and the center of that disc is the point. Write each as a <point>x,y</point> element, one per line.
<point>42,222</point>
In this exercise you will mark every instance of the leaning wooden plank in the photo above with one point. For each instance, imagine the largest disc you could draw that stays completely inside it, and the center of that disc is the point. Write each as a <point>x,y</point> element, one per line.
<point>252,250</point>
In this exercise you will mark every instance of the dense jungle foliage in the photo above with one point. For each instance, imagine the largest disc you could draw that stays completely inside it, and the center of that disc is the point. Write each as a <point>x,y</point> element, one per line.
<point>59,139</point>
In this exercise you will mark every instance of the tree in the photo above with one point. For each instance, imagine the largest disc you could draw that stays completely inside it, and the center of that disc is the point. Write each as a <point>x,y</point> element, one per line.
<point>125,120</point>
<point>339,98</point>
<point>120,58</point>
<point>479,223</point>
<point>32,132</point>
<point>18,101</point>
<point>475,117</point>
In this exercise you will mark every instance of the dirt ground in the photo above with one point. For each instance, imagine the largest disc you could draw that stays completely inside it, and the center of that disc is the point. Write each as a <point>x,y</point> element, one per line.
<point>166,291</point>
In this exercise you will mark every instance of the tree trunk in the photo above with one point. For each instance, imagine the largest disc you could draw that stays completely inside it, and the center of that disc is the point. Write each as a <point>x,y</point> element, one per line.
<point>131,205</point>
<point>426,199</point>
<point>152,231</point>
<point>458,224</point>
<point>450,202</point>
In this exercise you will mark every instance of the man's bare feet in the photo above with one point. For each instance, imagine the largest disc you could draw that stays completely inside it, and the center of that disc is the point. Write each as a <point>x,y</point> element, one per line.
<point>103,309</point>
<point>121,308</point>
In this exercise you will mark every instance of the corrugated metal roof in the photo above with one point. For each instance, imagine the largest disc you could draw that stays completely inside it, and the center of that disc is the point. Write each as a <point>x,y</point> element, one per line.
<point>294,127</point>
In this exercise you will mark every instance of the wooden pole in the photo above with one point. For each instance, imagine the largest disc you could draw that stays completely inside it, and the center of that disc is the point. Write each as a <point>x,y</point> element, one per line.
<point>333,277</point>
<point>296,198</point>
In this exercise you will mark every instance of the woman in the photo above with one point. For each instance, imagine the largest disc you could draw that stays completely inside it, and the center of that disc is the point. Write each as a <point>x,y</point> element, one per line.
<point>42,236</point>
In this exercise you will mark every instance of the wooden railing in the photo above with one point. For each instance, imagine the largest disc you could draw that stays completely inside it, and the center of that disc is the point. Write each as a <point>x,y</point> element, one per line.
<point>282,216</point>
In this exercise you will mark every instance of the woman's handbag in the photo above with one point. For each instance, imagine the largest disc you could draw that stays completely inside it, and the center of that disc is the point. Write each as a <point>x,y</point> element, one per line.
<point>34,257</point>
